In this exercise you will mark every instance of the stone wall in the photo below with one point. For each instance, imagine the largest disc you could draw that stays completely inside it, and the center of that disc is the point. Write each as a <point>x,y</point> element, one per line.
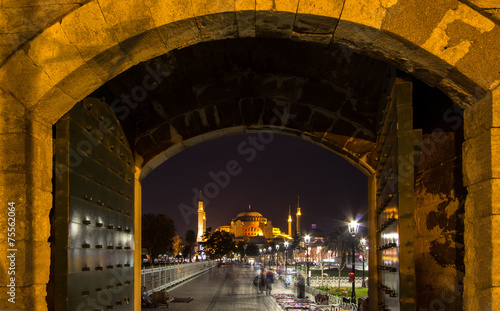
<point>439,202</point>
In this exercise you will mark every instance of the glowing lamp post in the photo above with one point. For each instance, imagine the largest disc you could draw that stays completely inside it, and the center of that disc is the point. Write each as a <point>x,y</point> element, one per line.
<point>363,243</point>
<point>277,249</point>
<point>307,239</point>
<point>353,230</point>
<point>286,255</point>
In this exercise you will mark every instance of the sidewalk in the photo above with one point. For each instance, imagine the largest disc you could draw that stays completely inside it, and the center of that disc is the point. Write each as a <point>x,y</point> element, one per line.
<point>229,287</point>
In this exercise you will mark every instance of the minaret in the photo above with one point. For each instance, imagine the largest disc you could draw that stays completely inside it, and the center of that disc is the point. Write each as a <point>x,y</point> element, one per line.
<point>202,220</point>
<point>298,215</point>
<point>289,220</point>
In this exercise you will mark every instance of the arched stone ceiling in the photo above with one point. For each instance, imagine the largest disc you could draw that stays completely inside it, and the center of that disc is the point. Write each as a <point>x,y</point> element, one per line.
<point>329,95</point>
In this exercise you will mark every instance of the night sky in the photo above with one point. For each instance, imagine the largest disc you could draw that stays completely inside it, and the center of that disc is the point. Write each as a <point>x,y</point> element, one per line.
<point>268,172</point>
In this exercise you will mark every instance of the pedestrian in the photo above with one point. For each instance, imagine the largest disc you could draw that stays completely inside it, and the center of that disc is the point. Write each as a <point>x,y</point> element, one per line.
<point>261,281</point>
<point>269,282</point>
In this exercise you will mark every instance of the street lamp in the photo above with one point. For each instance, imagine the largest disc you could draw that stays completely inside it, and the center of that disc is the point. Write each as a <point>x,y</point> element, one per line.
<point>270,256</point>
<point>286,255</point>
<point>277,248</point>
<point>307,239</point>
<point>363,243</point>
<point>353,230</point>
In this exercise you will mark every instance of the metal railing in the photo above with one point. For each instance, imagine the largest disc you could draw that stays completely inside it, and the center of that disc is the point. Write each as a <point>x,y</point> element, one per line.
<point>334,281</point>
<point>158,278</point>
<point>333,300</point>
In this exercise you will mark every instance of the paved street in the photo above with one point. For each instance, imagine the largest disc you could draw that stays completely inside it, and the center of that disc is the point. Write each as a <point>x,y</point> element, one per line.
<point>229,288</point>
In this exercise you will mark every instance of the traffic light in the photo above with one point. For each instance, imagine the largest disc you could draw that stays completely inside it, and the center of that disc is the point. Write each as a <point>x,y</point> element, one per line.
<point>351,277</point>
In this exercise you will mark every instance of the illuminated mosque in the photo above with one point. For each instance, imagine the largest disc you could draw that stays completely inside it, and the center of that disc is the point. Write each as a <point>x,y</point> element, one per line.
<point>249,224</point>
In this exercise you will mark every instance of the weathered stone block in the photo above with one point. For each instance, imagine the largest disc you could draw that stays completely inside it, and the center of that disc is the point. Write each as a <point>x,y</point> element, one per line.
<point>110,62</point>
<point>245,17</point>
<point>207,7</point>
<point>480,154</point>
<point>12,114</point>
<point>478,118</point>
<point>277,5</point>
<point>180,34</point>
<point>52,51</point>
<point>89,31</point>
<point>486,299</point>
<point>483,198</point>
<point>144,46</point>
<point>246,23</point>
<point>41,202</point>
<point>316,21</point>
<point>14,146</point>
<point>483,251</point>
<point>24,79</point>
<point>274,24</point>
<point>127,18</point>
<point>79,83</point>
<point>217,26</point>
<point>166,12</point>
<point>475,32</point>
<point>53,105</point>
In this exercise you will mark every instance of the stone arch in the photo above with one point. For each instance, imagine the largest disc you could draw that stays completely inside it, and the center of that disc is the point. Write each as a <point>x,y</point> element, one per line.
<point>454,48</point>
<point>101,39</point>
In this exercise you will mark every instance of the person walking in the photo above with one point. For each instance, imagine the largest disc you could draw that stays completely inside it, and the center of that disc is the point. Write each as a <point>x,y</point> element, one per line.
<point>260,281</point>
<point>269,282</point>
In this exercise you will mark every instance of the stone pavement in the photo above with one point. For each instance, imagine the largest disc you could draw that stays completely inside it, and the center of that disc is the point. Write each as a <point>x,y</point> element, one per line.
<point>229,287</point>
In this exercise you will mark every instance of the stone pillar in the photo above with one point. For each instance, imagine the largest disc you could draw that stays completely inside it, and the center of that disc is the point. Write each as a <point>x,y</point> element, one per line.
<point>138,240</point>
<point>26,153</point>
<point>373,279</point>
<point>481,168</point>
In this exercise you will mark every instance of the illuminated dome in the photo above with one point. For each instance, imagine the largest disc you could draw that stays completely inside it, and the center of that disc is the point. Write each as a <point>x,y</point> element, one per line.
<point>250,215</point>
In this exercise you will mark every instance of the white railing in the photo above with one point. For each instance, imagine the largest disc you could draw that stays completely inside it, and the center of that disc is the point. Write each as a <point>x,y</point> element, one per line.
<point>158,278</point>
<point>332,299</point>
<point>334,281</point>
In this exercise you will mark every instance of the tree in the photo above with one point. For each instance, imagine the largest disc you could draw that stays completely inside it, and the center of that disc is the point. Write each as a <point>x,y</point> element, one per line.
<point>240,247</point>
<point>186,251</point>
<point>219,243</point>
<point>177,245</point>
<point>252,250</point>
<point>157,233</point>
<point>190,241</point>
<point>297,237</point>
<point>339,242</point>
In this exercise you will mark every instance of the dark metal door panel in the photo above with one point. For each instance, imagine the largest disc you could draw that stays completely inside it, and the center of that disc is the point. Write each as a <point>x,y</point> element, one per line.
<point>395,180</point>
<point>94,211</point>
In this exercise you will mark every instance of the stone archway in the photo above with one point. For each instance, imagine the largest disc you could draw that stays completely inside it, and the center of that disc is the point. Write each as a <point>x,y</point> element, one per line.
<point>453,47</point>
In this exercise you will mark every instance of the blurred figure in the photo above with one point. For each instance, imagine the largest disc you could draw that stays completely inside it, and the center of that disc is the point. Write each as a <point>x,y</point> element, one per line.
<point>269,282</point>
